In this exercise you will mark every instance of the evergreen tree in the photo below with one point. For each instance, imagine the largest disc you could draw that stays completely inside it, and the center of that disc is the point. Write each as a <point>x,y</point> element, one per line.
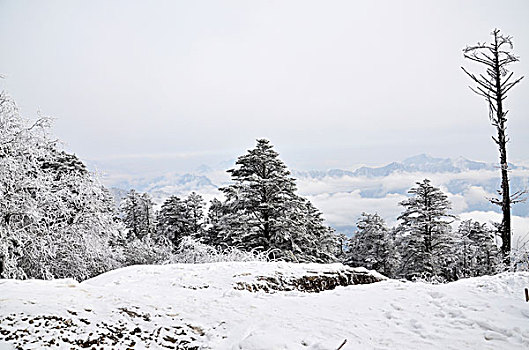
<point>216,234</point>
<point>138,214</point>
<point>424,231</point>
<point>465,249</point>
<point>195,214</point>
<point>181,218</point>
<point>316,242</point>
<point>61,163</point>
<point>172,220</point>
<point>372,245</point>
<point>261,199</point>
<point>262,210</point>
<point>477,250</point>
<point>149,215</point>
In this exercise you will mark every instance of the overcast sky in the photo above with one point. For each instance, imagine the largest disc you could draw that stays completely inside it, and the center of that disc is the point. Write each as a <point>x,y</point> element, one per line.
<point>330,83</point>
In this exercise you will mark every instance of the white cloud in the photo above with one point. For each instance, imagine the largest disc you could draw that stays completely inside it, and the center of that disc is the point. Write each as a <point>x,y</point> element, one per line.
<point>342,209</point>
<point>476,194</point>
<point>520,225</point>
<point>341,200</point>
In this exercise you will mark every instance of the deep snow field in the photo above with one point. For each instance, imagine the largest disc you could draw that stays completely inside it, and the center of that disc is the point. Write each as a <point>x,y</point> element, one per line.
<point>200,306</point>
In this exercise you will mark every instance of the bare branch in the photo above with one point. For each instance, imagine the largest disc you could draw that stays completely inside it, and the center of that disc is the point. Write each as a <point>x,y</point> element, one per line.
<point>511,86</point>
<point>495,201</point>
<point>479,60</point>
<point>519,196</point>
<point>506,80</point>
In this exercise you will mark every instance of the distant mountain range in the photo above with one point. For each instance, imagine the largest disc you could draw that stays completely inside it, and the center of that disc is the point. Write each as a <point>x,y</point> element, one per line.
<point>421,163</point>
<point>469,180</point>
<point>161,187</point>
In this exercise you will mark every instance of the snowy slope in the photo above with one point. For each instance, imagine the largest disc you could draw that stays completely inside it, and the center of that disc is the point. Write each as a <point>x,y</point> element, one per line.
<point>169,305</point>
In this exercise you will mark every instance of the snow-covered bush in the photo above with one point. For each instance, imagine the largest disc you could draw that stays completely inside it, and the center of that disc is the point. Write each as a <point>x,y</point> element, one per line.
<point>146,251</point>
<point>55,219</point>
<point>192,251</point>
<point>520,254</point>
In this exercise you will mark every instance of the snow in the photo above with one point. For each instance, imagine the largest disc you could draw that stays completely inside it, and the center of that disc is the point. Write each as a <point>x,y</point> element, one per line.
<point>163,305</point>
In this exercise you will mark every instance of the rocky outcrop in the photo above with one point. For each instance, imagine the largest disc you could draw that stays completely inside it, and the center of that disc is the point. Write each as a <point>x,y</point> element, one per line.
<point>311,282</point>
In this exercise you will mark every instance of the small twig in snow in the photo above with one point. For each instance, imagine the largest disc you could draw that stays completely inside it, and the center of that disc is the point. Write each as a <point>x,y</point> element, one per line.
<point>341,346</point>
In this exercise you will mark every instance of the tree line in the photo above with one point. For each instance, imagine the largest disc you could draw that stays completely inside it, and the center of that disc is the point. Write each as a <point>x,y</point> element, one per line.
<point>261,211</point>
<point>423,244</point>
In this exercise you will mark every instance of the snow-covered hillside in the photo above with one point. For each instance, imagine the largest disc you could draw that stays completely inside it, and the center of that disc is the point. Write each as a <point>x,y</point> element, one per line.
<point>208,306</point>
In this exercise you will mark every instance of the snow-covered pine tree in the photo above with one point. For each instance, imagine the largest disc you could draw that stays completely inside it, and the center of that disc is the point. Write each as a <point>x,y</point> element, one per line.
<point>149,215</point>
<point>489,258</point>
<point>61,163</point>
<point>221,220</point>
<point>215,234</point>
<point>260,199</point>
<point>131,210</point>
<point>372,246</point>
<point>138,214</point>
<point>316,242</point>
<point>477,250</point>
<point>150,235</point>
<point>465,249</point>
<point>262,210</point>
<point>424,230</point>
<point>172,220</point>
<point>181,218</point>
<point>195,214</point>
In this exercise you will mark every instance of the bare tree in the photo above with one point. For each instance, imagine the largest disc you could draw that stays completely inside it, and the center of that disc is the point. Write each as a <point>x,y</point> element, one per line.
<point>493,86</point>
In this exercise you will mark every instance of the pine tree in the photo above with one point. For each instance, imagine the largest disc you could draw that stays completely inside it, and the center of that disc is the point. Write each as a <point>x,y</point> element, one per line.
<point>466,250</point>
<point>181,218</point>
<point>477,250</point>
<point>261,199</point>
<point>172,220</point>
<point>317,242</point>
<point>372,245</point>
<point>195,214</point>
<point>425,232</point>
<point>217,231</point>
<point>138,214</point>
<point>262,210</point>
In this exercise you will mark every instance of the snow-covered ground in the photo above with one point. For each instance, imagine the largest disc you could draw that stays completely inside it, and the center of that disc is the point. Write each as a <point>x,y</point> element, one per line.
<point>203,306</point>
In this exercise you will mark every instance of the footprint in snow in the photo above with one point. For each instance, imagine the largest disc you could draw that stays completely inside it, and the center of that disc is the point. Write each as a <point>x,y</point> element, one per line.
<point>491,335</point>
<point>525,312</point>
<point>396,307</point>
<point>435,295</point>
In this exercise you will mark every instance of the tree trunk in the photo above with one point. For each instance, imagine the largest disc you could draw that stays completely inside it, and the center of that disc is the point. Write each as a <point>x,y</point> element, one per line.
<point>494,85</point>
<point>502,144</point>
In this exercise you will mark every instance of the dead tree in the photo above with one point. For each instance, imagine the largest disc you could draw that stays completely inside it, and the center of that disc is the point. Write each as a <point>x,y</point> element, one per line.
<point>493,86</point>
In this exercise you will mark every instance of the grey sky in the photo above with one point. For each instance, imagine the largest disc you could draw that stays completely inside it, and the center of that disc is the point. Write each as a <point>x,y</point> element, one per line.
<point>330,83</point>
